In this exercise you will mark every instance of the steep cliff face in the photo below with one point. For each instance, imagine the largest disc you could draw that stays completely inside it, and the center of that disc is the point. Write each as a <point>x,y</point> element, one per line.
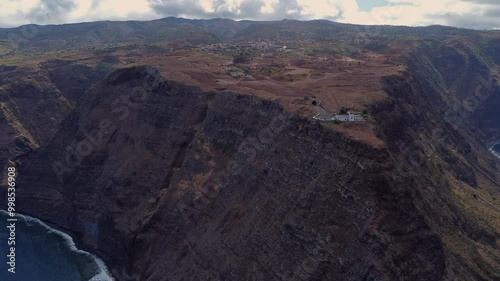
<point>460,78</point>
<point>166,182</point>
<point>435,125</point>
<point>33,102</point>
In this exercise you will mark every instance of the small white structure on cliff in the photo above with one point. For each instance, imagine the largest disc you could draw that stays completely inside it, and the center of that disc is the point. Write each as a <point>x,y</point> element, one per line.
<point>349,117</point>
<point>326,116</point>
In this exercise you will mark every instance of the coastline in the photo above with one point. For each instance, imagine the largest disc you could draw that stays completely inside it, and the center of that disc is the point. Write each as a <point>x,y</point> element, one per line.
<point>491,145</point>
<point>89,266</point>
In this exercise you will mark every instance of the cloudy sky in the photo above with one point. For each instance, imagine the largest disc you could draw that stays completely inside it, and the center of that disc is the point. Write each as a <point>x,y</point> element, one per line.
<point>477,14</point>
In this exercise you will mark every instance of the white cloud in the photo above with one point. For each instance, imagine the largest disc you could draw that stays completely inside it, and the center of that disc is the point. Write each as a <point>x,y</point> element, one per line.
<point>11,11</point>
<point>463,13</point>
<point>122,9</point>
<point>328,8</point>
<point>268,7</point>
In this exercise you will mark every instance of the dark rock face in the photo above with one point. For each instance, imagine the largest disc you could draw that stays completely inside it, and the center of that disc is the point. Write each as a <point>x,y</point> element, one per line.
<point>34,102</point>
<point>458,78</point>
<point>166,182</point>
<point>437,153</point>
<point>73,79</point>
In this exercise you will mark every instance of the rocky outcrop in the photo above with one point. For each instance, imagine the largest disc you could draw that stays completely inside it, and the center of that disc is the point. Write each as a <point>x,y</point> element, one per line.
<point>440,152</point>
<point>33,102</point>
<point>166,182</point>
<point>73,79</point>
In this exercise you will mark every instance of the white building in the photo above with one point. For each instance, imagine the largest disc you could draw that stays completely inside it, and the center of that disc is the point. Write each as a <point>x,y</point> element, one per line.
<point>342,118</point>
<point>355,117</point>
<point>350,117</point>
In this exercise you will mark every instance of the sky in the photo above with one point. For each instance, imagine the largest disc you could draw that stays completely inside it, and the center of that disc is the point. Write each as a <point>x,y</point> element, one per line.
<point>475,14</point>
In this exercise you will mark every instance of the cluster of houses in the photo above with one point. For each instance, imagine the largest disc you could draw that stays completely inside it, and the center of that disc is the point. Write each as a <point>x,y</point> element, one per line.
<point>349,117</point>
<point>258,48</point>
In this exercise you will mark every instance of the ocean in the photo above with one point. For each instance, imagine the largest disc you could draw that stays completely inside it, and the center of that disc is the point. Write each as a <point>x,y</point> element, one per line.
<point>495,149</point>
<point>45,254</point>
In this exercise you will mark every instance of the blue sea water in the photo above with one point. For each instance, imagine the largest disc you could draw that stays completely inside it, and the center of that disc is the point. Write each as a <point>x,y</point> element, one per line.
<point>46,254</point>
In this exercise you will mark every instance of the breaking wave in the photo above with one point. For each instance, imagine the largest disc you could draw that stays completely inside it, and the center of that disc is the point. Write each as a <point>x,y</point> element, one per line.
<point>46,254</point>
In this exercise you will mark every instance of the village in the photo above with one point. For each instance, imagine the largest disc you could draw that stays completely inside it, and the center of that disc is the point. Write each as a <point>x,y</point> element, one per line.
<point>259,48</point>
<point>259,59</point>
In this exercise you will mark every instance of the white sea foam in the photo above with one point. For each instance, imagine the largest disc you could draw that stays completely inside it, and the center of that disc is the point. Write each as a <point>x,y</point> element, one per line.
<point>493,151</point>
<point>103,272</point>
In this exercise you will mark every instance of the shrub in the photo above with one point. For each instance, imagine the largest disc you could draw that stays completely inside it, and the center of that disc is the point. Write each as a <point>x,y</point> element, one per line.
<point>241,58</point>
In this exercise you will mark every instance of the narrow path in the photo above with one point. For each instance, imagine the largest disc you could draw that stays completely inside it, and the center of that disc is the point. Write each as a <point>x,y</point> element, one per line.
<point>322,113</point>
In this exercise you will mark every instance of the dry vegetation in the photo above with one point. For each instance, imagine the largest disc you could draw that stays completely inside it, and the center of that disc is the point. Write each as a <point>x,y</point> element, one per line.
<point>337,82</point>
<point>292,79</point>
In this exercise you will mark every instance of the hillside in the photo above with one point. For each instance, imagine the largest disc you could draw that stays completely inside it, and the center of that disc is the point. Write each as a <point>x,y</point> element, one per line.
<point>145,148</point>
<point>181,176</point>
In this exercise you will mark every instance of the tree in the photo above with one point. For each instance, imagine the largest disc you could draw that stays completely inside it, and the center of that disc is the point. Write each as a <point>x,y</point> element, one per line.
<point>241,58</point>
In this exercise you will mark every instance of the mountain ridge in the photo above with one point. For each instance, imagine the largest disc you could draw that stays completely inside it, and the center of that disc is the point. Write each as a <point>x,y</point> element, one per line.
<point>161,161</point>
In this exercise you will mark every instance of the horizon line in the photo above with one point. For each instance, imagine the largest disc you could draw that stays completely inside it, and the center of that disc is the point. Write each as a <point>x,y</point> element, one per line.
<point>248,20</point>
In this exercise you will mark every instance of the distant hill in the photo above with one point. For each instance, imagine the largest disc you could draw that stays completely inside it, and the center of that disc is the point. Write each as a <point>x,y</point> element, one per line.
<point>146,148</point>
<point>94,34</point>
